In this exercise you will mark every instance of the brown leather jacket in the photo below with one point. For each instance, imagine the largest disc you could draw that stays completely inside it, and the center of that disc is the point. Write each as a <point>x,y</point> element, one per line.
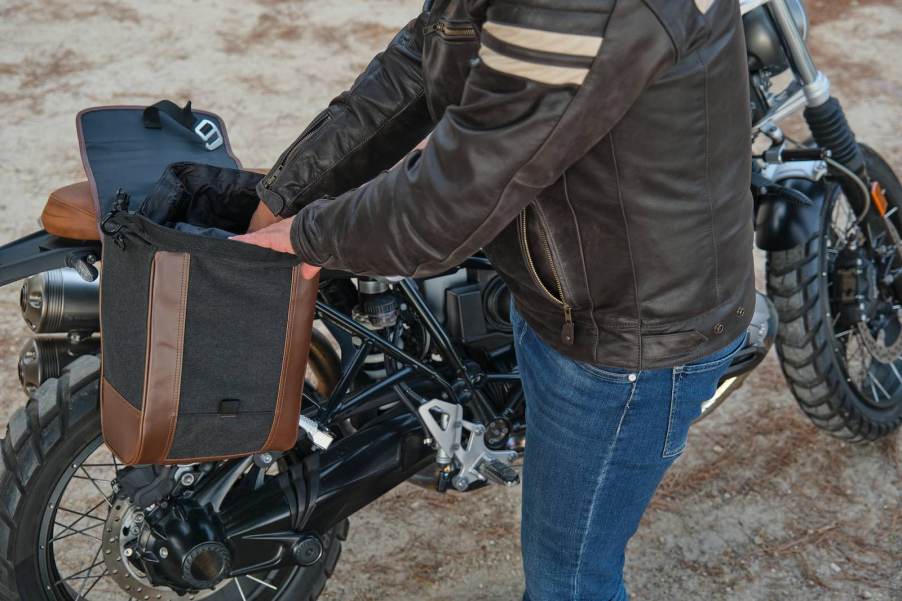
<point>597,150</point>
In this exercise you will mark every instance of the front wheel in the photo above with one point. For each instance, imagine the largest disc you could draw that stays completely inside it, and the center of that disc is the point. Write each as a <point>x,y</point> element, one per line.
<point>839,299</point>
<point>56,503</point>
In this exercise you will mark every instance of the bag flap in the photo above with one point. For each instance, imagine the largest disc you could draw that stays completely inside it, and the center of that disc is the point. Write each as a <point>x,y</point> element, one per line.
<point>129,147</point>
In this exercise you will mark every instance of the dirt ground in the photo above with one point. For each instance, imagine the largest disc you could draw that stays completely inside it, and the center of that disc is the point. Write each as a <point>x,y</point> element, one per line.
<point>761,506</point>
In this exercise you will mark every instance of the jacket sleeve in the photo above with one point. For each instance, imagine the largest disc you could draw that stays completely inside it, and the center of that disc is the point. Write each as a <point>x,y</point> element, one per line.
<point>363,131</point>
<point>552,80</point>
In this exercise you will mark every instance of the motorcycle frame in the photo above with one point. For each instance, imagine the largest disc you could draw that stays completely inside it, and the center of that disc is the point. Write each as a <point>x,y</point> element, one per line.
<point>344,402</point>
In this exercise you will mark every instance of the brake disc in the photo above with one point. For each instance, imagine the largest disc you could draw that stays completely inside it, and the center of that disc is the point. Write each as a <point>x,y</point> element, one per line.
<point>878,348</point>
<point>121,530</point>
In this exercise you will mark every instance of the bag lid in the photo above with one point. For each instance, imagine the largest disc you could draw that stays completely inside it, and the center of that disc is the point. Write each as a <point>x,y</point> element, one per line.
<point>129,147</point>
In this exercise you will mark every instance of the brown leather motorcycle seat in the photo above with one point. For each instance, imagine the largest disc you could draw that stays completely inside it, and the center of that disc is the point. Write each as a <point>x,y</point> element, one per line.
<point>70,212</point>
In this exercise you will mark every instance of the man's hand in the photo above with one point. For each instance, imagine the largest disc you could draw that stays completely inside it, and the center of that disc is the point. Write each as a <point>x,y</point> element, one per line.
<point>278,238</point>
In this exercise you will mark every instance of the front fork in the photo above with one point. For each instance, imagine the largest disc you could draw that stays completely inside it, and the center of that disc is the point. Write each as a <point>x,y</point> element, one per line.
<point>832,133</point>
<point>824,114</point>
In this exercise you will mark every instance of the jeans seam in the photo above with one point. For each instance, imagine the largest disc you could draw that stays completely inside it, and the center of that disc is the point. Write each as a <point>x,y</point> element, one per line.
<point>602,477</point>
<point>674,393</point>
<point>604,375</point>
<point>524,329</point>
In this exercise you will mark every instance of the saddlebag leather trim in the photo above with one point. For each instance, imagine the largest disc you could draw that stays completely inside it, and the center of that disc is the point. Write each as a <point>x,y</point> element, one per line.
<point>145,436</point>
<point>301,309</point>
<point>121,423</point>
<point>165,342</point>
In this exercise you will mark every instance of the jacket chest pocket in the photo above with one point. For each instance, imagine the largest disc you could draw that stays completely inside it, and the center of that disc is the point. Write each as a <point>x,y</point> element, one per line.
<point>451,42</point>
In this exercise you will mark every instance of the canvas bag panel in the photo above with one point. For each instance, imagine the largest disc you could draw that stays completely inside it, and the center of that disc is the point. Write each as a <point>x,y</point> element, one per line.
<point>205,340</point>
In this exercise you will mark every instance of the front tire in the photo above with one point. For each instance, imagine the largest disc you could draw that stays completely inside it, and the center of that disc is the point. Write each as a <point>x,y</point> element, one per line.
<point>60,423</point>
<point>815,357</point>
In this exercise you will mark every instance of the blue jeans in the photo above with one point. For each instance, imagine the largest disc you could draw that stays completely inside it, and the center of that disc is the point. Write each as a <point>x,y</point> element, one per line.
<point>599,440</point>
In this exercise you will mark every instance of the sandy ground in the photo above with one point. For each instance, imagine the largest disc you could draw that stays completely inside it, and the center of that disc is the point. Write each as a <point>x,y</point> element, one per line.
<point>761,506</point>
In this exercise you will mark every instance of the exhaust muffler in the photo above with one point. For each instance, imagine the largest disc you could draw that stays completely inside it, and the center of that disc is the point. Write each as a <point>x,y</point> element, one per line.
<point>60,301</point>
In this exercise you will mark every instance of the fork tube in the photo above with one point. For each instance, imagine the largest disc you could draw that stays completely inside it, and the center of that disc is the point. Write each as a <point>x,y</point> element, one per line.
<point>817,87</point>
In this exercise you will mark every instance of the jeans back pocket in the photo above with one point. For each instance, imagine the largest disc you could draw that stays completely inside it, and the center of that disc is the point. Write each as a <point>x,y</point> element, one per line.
<point>693,384</point>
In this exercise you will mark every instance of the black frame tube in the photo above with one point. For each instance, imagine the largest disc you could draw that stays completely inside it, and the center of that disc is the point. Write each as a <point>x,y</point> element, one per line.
<point>344,403</point>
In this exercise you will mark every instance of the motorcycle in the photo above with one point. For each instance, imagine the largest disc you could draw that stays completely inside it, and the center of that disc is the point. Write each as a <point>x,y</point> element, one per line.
<point>416,380</point>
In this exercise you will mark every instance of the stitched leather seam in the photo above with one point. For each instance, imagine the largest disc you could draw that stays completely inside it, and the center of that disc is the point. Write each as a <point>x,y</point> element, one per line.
<point>73,208</point>
<point>582,258</point>
<point>180,337</point>
<point>629,248</point>
<point>713,231</point>
<point>103,385</point>
<point>285,354</point>
<point>663,23</point>
<point>144,412</point>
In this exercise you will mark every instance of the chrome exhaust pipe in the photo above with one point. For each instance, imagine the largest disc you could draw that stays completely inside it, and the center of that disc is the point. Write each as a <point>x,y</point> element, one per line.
<point>57,302</point>
<point>60,301</point>
<point>43,358</point>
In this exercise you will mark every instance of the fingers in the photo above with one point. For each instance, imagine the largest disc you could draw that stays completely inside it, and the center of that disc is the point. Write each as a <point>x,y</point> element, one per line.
<point>276,237</point>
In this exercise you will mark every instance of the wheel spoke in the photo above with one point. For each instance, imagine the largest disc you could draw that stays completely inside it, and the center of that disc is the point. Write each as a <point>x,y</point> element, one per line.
<point>90,569</point>
<point>266,584</point>
<point>240,590</point>
<point>892,366</point>
<point>78,575</point>
<point>100,490</point>
<point>84,515</point>
<point>74,532</point>
<point>879,385</point>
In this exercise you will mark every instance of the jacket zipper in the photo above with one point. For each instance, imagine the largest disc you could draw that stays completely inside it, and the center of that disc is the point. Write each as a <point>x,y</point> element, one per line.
<point>451,31</point>
<point>270,179</point>
<point>567,331</point>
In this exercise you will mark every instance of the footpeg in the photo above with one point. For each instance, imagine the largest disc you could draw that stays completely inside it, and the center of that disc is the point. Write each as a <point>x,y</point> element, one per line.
<point>320,438</point>
<point>474,461</point>
<point>499,472</point>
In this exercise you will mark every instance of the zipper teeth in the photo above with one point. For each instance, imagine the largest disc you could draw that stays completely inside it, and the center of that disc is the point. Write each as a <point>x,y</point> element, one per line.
<point>557,279</point>
<point>532,266</point>
<point>453,30</point>
<point>314,127</point>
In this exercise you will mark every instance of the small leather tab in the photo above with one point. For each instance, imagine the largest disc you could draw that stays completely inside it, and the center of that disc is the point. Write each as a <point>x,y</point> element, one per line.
<point>229,407</point>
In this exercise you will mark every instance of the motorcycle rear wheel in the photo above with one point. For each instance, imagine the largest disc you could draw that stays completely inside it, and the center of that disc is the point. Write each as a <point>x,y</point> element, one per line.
<point>844,392</point>
<point>47,443</point>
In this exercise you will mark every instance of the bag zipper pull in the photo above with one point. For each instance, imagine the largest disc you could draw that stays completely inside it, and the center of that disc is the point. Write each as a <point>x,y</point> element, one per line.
<point>567,332</point>
<point>120,203</point>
